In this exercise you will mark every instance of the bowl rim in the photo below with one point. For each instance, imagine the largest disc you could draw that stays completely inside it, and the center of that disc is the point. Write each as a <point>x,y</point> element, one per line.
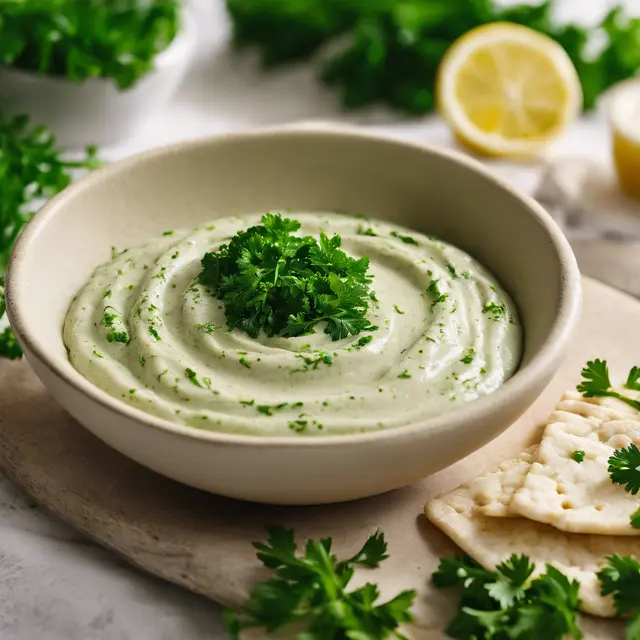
<point>531,374</point>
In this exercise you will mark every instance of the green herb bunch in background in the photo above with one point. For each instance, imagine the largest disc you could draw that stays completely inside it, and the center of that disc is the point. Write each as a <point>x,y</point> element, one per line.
<point>30,167</point>
<point>81,39</point>
<point>389,50</point>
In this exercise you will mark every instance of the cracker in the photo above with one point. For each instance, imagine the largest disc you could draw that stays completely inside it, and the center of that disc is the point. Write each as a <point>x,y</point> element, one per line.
<point>491,540</point>
<point>579,497</point>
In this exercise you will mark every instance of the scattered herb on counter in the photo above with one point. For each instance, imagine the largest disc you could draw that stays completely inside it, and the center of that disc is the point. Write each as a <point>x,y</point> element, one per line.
<point>596,383</point>
<point>271,279</point>
<point>85,39</point>
<point>390,51</point>
<point>621,579</point>
<point>311,589</point>
<point>624,468</point>
<point>507,602</point>
<point>578,456</point>
<point>31,167</point>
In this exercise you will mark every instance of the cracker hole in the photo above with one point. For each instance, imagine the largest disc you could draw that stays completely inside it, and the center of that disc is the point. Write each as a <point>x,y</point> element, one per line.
<point>567,504</point>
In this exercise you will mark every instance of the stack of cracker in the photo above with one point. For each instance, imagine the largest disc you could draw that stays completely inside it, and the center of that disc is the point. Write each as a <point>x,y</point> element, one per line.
<point>547,505</point>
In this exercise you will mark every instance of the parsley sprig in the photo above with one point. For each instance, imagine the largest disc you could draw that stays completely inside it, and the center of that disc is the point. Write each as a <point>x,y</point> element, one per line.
<point>507,604</point>
<point>312,589</point>
<point>621,579</point>
<point>624,468</point>
<point>30,167</point>
<point>596,383</point>
<point>271,279</point>
<point>80,39</point>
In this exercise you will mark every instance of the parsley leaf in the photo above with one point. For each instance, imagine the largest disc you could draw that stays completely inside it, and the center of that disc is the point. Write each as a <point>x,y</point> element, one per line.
<point>271,279</point>
<point>596,383</point>
<point>507,603</point>
<point>635,519</point>
<point>633,379</point>
<point>31,167</point>
<point>311,588</point>
<point>578,456</point>
<point>87,39</point>
<point>390,51</point>
<point>621,579</point>
<point>624,468</point>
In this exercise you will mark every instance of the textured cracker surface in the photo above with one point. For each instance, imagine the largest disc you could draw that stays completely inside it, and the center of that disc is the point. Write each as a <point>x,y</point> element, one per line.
<point>490,540</point>
<point>580,497</point>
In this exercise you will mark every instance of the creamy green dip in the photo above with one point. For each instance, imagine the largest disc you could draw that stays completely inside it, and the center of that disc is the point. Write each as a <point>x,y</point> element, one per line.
<point>145,331</point>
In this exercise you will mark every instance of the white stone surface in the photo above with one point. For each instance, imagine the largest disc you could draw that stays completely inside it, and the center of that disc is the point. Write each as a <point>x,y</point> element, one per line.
<point>54,585</point>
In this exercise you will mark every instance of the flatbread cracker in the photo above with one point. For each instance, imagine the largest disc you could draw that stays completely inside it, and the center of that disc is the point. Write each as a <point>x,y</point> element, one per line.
<point>490,540</point>
<point>579,497</point>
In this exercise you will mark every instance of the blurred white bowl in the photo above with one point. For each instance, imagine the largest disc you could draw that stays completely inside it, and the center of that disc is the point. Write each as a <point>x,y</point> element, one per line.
<point>96,111</point>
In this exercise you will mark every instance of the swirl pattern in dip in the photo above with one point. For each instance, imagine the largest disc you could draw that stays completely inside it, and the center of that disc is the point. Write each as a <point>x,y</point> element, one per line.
<point>143,330</point>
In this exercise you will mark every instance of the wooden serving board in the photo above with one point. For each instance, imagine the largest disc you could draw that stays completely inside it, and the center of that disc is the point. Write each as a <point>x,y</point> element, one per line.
<point>202,542</point>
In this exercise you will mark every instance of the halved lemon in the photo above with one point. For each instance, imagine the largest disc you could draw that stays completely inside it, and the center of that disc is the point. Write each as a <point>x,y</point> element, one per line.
<point>624,116</point>
<point>507,90</point>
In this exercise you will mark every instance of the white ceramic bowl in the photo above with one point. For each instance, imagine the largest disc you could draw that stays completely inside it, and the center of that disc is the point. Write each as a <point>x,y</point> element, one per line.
<point>96,111</point>
<point>429,189</point>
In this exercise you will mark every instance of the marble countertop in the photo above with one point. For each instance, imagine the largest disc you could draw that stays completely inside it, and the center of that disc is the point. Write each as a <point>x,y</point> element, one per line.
<point>54,584</point>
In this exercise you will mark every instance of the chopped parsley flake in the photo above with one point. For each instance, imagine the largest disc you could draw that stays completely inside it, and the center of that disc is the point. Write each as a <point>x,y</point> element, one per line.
<point>434,290</point>
<point>466,275</point>
<point>168,233</point>
<point>192,377</point>
<point>364,341</point>
<point>132,391</point>
<point>244,363</point>
<point>107,293</point>
<point>468,356</point>
<point>298,425</point>
<point>314,360</point>
<point>248,403</point>
<point>405,239</point>
<point>366,232</point>
<point>97,355</point>
<point>398,310</point>
<point>578,456</point>
<point>404,375</point>
<point>452,270</point>
<point>494,310</point>
<point>116,329</point>
<point>142,360</point>
<point>153,333</point>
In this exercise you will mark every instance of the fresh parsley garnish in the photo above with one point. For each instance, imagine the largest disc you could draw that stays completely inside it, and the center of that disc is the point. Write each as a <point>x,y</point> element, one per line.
<point>596,383</point>
<point>311,589</point>
<point>635,519</point>
<point>88,39</point>
<point>624,468</point>
<point>507,602</point>
<point>578,456</point>
<point>621,579</point>
<point>271,279</point>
